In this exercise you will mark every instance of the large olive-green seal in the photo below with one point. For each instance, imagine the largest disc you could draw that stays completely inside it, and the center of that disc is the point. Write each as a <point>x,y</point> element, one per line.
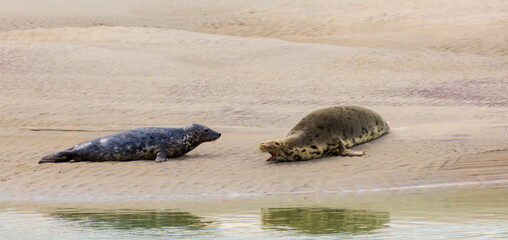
<point>327,131</point>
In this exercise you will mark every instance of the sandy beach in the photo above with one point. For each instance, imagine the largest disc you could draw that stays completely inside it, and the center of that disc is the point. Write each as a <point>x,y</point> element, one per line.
<point>71,71</point>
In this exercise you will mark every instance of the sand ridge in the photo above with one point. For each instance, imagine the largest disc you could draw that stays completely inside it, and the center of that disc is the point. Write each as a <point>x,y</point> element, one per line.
<point>64,80</point>
<point>454,26</point>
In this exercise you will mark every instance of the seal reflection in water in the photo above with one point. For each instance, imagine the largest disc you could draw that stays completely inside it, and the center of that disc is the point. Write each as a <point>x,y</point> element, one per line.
<point>328,131</point>
<point>319,221</point>
<point>137,144</point>
<point>128,219</point>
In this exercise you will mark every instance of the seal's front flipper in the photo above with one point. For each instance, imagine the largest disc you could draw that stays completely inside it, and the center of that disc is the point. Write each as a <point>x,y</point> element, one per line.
<point>161,156</point>
<point>351,153</point>
<point>341,150</point>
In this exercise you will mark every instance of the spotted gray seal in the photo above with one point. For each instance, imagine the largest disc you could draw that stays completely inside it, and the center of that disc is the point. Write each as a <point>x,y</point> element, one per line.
<point>328,131</point>
<point>141,143</point>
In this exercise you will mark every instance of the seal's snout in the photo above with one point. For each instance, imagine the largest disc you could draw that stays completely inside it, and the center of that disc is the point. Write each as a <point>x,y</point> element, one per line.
<point>217,135</point>
<point>271,148</point>
<point>263,147</point>
<point>214,135</point>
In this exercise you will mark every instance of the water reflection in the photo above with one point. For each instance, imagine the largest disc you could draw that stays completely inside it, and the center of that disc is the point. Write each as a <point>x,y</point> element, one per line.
<point>131,219</point>
<point>472,214</point>
<point>323,220</point>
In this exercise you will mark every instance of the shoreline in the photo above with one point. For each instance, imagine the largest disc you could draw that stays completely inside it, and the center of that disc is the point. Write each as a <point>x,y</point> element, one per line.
<point>427,188</point>
<point>277,199</point>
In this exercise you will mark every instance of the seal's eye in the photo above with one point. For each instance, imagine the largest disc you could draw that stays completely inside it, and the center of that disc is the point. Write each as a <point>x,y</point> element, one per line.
<point>278,144</point>
<point>206,130</point>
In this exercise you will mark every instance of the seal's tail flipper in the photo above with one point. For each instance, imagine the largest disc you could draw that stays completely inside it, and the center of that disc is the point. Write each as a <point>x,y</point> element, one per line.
<point>63,156</point>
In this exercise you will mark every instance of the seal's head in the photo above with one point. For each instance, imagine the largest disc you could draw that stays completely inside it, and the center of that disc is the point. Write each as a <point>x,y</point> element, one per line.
<point>201,133</point>
<point>279,149</point>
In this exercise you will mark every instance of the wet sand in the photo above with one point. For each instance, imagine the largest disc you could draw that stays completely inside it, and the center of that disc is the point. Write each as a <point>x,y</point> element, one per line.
<point>251,71</point>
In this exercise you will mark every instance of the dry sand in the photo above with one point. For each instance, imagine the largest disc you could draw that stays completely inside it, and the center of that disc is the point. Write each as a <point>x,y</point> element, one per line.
<point>75,70</point>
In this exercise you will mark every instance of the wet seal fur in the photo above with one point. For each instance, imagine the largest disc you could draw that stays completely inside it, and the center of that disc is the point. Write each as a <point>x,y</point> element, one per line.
<point>136,144</point>
<point>328,131</point>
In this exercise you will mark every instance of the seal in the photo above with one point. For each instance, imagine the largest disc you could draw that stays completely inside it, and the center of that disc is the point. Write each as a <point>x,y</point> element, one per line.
<point>141,143</point>
<point>327,131</point>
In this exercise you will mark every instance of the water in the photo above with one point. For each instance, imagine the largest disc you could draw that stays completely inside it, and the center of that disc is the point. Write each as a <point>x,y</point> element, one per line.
<point>464,214</point>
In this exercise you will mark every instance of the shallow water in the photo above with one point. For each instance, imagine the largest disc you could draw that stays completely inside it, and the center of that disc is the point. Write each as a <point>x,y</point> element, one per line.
<point>469,214</point>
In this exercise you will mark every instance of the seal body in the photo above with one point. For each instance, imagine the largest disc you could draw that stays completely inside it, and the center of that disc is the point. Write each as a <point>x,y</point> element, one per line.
<point>141,143</point>
<point>328,131</point>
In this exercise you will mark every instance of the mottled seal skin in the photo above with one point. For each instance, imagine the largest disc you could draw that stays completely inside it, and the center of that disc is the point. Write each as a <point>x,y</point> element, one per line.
<point>328,131</point>
<point>136,144</point>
